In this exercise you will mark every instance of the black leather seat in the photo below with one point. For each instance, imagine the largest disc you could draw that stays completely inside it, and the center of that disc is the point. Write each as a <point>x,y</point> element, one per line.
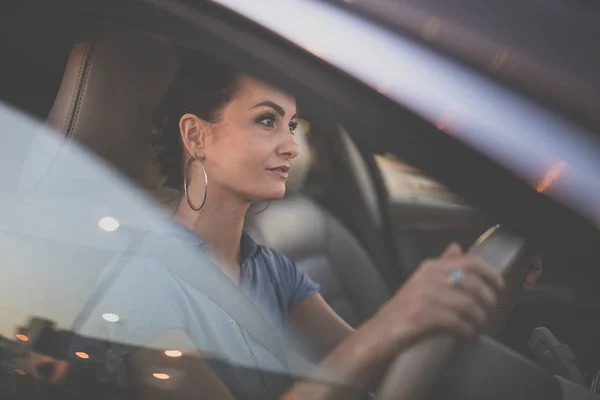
<point>111,84</point>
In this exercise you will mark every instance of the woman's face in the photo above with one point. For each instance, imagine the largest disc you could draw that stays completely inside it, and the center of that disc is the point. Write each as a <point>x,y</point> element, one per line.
<point>248,151</point>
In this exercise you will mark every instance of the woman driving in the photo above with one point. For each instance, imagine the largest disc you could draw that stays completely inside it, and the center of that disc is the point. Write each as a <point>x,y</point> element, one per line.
<point>226,140</point>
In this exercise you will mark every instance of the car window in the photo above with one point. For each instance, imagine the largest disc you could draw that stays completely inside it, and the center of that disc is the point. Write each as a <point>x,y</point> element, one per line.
<point>105,296</point>
<point>100,283</point>
<point>402,180</point>
<point>86,283</point>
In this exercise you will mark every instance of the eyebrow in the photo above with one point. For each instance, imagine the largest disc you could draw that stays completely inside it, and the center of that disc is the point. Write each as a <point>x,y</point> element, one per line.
<point>278,109</point>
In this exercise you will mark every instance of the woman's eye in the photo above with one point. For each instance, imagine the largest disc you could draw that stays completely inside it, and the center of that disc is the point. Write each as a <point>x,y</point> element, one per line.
<point>268,121</point>
<point>293,126</point>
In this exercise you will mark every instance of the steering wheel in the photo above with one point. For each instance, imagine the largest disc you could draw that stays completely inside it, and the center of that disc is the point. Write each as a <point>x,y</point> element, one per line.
<point>415,370</point>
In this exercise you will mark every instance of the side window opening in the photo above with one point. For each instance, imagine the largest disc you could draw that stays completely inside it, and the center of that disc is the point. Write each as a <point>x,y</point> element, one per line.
<point>403,180</point>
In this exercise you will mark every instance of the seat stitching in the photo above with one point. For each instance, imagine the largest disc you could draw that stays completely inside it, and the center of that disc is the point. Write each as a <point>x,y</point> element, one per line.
<point>69,127</point>
<point>66,124</point>
<point>89,63</point>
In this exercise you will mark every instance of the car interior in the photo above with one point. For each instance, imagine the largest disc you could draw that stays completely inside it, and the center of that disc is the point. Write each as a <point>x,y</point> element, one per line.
<point>357,223</point>
<point>98,67</point>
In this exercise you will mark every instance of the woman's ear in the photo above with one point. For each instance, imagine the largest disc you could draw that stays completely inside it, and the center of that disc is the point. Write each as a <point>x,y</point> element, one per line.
<point>193,132</point>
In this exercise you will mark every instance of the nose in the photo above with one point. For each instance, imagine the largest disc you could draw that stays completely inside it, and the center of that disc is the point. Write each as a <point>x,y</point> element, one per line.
<point>288,148</point>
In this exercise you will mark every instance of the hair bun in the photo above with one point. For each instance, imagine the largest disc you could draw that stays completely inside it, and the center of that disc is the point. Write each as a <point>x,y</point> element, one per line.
<point>202,87</point>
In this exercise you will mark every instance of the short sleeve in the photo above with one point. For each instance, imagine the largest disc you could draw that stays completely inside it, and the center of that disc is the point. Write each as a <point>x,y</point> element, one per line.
<point>298,285</point>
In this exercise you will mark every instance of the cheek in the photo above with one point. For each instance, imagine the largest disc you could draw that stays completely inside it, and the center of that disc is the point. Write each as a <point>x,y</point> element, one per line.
<point>233,149</point>
<point>240,162</point>
<point>253,152</point>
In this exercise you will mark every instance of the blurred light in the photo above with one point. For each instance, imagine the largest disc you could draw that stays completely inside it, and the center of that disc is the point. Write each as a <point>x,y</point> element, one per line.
<point>20,372</point>
<point>22,338</point>
<point>173,353</point>
<point>162,377</point>
<point>82,354</point>
<point>446,120</point>
<point>313,50</point>
<point>110,317</point>
<point>431,28</point>
<point>109,224</point>
<point>498,60</point>
<point>551,176</point>
<point>304,125</point>
<point>348,1</point>
<point>383,89</point>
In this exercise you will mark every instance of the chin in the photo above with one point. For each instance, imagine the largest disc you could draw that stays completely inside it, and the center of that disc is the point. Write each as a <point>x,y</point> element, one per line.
<point>274,196</point>
<point>263,190</point>
<point>268,195</point>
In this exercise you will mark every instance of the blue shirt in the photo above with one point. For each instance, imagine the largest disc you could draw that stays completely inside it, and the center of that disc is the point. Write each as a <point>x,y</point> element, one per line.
<point>148,300</point>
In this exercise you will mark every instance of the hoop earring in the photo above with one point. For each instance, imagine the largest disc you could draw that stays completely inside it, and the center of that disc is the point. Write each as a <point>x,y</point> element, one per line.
<point>263,209</point>
<point>185,183</point>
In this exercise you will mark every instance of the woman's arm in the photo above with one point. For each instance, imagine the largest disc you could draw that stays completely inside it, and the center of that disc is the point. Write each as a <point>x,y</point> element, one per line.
<point>317,327</point>
<point>331,340</point>
<point>426,303</point>
<point>320,330</point>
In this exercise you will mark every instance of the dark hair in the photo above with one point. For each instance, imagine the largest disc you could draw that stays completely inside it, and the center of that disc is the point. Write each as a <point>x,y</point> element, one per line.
<point>201,87</point>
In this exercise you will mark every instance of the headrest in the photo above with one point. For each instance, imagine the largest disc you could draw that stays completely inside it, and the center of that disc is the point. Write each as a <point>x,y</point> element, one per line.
<point>112,83</point>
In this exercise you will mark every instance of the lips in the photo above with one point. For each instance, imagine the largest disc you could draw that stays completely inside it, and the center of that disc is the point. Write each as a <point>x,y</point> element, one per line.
<point>281,171</point>
<point>283,168</point>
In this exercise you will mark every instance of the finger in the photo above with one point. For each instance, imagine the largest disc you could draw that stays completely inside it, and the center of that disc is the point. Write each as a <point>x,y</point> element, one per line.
<point>492,276</point>
<point>453,323</point>
<point>465,307</point>
<point>452,251</point>
<point>477,289</point>
<point>536,268</point>
<point>538,260</point>
<point>531,279</point>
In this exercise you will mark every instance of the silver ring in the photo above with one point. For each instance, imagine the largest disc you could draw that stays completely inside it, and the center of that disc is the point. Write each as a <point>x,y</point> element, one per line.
<point>456,277</point>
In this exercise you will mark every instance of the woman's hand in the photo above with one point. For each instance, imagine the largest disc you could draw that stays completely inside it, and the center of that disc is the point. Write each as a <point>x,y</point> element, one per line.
<point>534,273</point>
<point>429,302</point>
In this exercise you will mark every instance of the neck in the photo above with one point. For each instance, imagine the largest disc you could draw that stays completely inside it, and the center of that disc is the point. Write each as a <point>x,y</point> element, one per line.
<point>219,224</point>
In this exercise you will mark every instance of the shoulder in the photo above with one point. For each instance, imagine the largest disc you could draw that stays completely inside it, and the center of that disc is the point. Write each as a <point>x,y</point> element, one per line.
<point>275,261</point>
<point>264,256</point>
<point>295,285</point>
<point>271,254</point>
